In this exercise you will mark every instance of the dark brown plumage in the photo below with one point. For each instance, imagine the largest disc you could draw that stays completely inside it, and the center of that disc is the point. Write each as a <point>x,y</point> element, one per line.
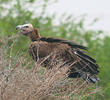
<point>61,50</point>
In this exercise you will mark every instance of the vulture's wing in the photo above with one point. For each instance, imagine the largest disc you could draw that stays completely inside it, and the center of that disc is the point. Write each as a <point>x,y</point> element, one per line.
<point>87,67</point>
<point>72,44</point>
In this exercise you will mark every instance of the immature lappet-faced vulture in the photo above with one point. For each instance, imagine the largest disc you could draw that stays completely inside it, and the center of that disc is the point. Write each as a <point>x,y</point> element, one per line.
<point>57,50</point>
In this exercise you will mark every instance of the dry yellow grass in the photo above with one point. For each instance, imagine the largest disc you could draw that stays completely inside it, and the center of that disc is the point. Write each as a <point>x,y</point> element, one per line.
<point>17,82</point>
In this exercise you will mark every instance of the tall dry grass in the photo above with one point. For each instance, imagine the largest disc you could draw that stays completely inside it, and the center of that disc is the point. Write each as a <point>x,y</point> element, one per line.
<point>17,82</point>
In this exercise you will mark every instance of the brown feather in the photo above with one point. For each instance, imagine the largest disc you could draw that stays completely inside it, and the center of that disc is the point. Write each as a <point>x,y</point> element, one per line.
<point>58,50</point>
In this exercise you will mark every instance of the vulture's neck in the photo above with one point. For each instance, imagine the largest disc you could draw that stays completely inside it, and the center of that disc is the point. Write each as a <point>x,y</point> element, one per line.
<point>35,35</point>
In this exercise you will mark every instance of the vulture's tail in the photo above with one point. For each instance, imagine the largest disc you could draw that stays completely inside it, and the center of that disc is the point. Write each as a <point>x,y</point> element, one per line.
<point>84,76</point>
<point>90,78</point>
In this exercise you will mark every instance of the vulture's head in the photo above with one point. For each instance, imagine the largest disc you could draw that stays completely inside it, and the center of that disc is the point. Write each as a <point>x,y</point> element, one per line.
<point>29,31</point>
<point>25,29</point>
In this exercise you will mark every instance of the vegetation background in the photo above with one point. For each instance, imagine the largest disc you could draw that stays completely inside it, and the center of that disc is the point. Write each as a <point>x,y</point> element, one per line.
<point>15,12</point>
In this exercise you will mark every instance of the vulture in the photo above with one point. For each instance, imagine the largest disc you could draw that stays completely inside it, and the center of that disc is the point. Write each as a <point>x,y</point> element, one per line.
<point>57,50</point>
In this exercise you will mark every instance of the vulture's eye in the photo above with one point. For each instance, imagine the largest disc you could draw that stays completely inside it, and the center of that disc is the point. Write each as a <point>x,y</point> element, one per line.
<point>26,26</point>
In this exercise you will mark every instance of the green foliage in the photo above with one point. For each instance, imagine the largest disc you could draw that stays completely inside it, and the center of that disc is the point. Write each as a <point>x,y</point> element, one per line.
<point>68,27</point>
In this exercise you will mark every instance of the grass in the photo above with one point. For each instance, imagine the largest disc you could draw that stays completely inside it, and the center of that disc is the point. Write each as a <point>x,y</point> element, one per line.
<point>23,79</point>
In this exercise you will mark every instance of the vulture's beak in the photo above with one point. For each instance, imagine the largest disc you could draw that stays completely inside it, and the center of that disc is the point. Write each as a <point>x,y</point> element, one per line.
<point>19,27</point>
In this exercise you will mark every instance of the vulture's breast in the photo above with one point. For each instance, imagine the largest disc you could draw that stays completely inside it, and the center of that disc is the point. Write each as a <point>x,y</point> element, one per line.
<point>42,49</point>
